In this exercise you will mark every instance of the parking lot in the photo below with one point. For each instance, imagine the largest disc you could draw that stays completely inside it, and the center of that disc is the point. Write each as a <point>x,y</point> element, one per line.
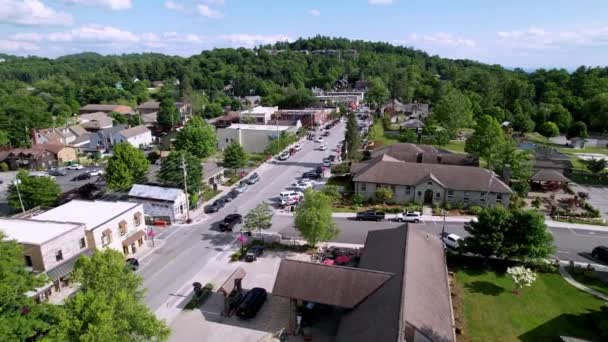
<point>598,197</point>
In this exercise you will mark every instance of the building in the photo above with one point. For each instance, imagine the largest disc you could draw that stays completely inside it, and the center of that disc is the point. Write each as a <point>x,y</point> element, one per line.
<point>252,101</point>
<point>137,136</point>
<point>95,121</point>
<point>63,135</point>
<point>213,174</point>
<point>160,203</point>
<point>103,140</point>
<point>253,138</point>
<point>50,248</point>
<point>63,154</point>
<point>413,110</point>
<point>308,117</point>
<point>116,225</point>
<point>414,124</point>
<point>149,109</point>
<point>399,292</point>
<point>106,108</point>
<point>429,183</point>
<point>32,158</point>
<point>348,99</point>
<point>428,154</point>
<point>258,115</point>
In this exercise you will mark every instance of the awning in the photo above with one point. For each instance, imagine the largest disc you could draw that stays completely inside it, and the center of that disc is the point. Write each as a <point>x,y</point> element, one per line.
<point>133,238</point>
<point>107,232</point>
<point>67,267</point>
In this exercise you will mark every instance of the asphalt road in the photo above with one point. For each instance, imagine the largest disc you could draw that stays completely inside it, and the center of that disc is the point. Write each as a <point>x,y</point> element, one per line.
<point>185,251</point>
<point>571,244</point>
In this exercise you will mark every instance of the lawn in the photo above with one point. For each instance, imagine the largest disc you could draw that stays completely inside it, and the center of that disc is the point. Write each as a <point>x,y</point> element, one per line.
<point>548,309</point>
<point>456,146</point>
<point>591,282</point>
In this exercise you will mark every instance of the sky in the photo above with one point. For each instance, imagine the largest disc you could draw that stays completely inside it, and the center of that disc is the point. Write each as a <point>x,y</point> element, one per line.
<point>514,33</point>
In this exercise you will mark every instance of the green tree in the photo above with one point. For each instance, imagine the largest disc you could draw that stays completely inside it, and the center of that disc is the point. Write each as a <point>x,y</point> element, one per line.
<point>168,116</point>
<point>408,136</point>
<point>549,129</point>
<point>333,192</point>
<point>487,234</point>
<point>4,139</point>
<point>313,218</point>
<point>21,319</point>
<point>377,91</point>
<point>384,194</point>
<point>34,191</point>
<point>453,111</point>
<point>198,138</point>
<point>235,156</point>
<point>376,131</point>
<point>596,165</point>
<point>487,140</point>
<point>596,112</point>
<point>259,218</point>
<point>109,305</point>
<point>577,130</point>
<point>436,135</point>
<point>353,138</point>
<point>172,173</point>
<point>127,166</point>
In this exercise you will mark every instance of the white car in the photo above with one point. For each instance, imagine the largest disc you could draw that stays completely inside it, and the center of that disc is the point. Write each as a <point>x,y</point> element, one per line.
<point>74,167</point>
<point>298,147</point>
<point>284,156</point>
<point>452,241</point>
<point>303,183</point>
<point>41,174</point>
<point>96,172</point>
<point>410,216</point>
<point>323,147</point>
<point>319,140</point>
<point>288,194</point>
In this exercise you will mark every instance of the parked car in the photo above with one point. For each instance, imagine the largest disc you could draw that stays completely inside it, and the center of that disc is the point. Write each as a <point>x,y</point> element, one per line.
<point>370,215</point>
<point>215,206</point>
<point>323,147</point>
<point>326,134</point>
<point>232,194</point>
<point>319,140</point>
<point>253,253</point>
<point>254,178</point>
<point>41,174</point>
<point>304,183</point>
<point>311,137</point>
<point>251,303</point>
<point>600,253</point>
<point>285,195</point>
<point>74,167</point>
<point>284,155</point>
<point>311,175</point>
<point>242,187</point>
<point>327,163</point>
<point>409,216</point>
<point>132,264</point>
<point>81,177</point>
<point>97,172</point>
<point>298,147</point>
<point>230,221</point>
<point>332,158</point>
<point>57,172</point>
<point>452,241</point>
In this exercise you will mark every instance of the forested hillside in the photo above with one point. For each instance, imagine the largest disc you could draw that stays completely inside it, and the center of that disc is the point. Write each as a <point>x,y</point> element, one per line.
<point>37,92</point>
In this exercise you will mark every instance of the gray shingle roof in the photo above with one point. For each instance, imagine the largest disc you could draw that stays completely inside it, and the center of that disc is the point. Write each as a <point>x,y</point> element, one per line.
<point>387,170</point>
<point>155,192</point>
<point>149,105</point>
<point>548,175</point>
<point>134,131</point>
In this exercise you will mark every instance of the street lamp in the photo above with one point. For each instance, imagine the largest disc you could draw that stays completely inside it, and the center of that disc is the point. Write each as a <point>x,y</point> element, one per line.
<point>17,181</point>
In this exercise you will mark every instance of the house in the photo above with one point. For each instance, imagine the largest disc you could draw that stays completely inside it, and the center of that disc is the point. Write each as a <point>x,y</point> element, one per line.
<point>103,140</point>
<point>106,108</point>
<point>95,121</point>
<point>32,158</point>
<point>258,115</point>
<point>413,110</point>
<point>350,99</point>
<point>432,184</point>
<point>252,101</point>
<point>148,107</point>
<point>63,154</point>
<point>308,117</point>
<point>549,165</point>
<point>152,107</point>
<point>213,174</point>
<point>137,136</point>
<point>415,124</point>
<point>116,225</point>
<point>161,203</point>
<point>50,248</point>
<point>399,292</point>
<point>420,153</point>
<point>253,138</point>
<point>224,121</point>
<point>149,119</point>
<point>64,135</point>
<point>158,84</point>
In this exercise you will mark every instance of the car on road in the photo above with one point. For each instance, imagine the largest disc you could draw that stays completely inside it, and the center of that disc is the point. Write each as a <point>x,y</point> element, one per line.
<point>303,183</point>
<point>230,221</point>
<point>242,187</point>
<point>409,216</point>
<point>41,174</point>
<point>323,147</point>
<point>326,134</point>
<point>311,175</point>
<point>254,178</point>
<point>81,177</point>
<point>132,263</point>
<point>232,194</point>
<point>600,253</point>
<point>327,163</point>
<point>289,194</point>
<point>74,167</point>
<point>298,146</point>
<point>303,186</point>
<point>253,253</point>
<point>252,303</point>
<point>319,140</point>
<point>370,215</point>
<point>57,172</point>
<point>284,155</point>
<point>97,172</point>
<point>452,241</point>
<point>311,137</point>
<point>215,206</point>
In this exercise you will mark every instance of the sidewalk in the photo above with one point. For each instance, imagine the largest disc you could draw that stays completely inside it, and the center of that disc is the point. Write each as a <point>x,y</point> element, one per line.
<point>571,281</point>
<point>567,225</point>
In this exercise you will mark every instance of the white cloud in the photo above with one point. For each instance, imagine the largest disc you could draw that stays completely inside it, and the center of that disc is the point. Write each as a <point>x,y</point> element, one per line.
<point>314,12</point>
<point>28,37</point>
<point>114,5</point>
<point>379,2</point>
<point>11,45</point>
<point>31,12</point>
<point>537,38</point>
<point>208,12</point>
<point>251,40</point>
<point>174,6</point>
<point>214,2</point>
<point>438,39</point>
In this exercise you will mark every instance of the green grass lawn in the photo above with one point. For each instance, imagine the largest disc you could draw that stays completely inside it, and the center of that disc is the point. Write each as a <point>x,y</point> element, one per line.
<point>456,146</point>
<point>593,283</point>
<point>548,309</point>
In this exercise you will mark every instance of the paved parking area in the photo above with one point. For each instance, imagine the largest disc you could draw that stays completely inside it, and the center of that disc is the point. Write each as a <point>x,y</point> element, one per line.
<point>598,197</point>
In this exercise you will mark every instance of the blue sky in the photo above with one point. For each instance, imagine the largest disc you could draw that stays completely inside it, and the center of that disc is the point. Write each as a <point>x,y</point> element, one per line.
<point>514,33</point>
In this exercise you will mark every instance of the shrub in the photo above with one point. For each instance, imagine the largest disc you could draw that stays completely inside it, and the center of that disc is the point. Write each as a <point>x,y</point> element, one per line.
<point>340,168</point>
<point>357,200</point>
<point>593,212</point>
<point>475,210</point>
<point>536,202</point>
<point>413,207</point>
<point>3,167</point>
<point>448,206</point>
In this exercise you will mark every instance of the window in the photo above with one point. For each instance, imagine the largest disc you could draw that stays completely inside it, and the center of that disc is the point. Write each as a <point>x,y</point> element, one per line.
<point>466,199</point>
<point>363,187</point>
<point>137,219</point>
<point>181,208</point>
<point>419,193</point>
<point>450,192</point>
<point>499,197</point>
<point>28,261</point>
<point>407,190</point>
<point>59,255</point>
<point>466,193</point>
<point>122,227</point>
<point>429,183</point>
<point>227,140</point>
<point>437,195</point>
<point>83,243</point>
<point>393,189</point>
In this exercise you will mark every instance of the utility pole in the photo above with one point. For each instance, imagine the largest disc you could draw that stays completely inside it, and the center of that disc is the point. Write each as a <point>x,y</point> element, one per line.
<point>188,220</point>
<point>16,182</point>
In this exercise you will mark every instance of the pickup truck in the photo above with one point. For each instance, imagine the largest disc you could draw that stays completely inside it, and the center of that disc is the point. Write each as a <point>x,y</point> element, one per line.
<point>370,216</point>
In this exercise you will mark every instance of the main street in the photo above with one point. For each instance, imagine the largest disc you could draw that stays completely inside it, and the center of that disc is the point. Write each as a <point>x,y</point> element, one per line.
<point>185,251</point>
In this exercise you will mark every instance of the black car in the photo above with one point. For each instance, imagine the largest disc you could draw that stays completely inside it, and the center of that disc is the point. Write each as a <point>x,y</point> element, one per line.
<point>81,177</point>
<point>232,194</point>
<point>251,303</point>
<point>230,221</point>
<point>132,264</point>
<point>254,178</point>
<point>332,158</point>
<point>326,134</point>
<point>600,253</point>
<point>311,175</point>
<point>215,206</point>
<point>370,216</point>
<point>253,253</point>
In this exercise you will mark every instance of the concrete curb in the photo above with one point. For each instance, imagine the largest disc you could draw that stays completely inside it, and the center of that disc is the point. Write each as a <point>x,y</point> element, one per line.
<point>564,273</point>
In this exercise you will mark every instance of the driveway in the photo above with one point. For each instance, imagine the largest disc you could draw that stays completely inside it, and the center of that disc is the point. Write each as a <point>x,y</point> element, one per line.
<point>598,197</point>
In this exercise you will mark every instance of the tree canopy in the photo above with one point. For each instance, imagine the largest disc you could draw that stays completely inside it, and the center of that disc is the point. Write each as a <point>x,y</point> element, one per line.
<point>127,166</point>
<point>235,156</point>
<point>34,191</point>
<point>259,218</point>
<point>313,218</point>
<point>172,173</point>
<point>487,140</point>
<point>197,137</point>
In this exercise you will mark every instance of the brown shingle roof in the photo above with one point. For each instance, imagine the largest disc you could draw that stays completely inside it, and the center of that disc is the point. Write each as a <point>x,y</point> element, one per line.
<point>53,148</point>
<point>134,131</point>
<point>388,170</point>
<point>149,105</point>
<point>344,287</point>
<point>548,175</point>
<point>420,153</point>
<point>108,108</point>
